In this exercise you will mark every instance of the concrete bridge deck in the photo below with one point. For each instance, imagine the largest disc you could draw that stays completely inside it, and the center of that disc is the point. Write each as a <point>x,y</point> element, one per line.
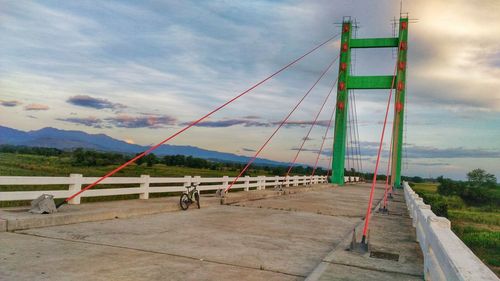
<point>289,237</point>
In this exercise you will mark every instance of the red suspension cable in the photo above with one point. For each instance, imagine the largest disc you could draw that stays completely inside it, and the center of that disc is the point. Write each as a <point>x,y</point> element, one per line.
<point>374,181</point>
<point>279,127</point>
<point>310,129</point>
<point>323,142</point>
<point>357,130</point>
<point>386,189</point>
<point>353,128</point>
<point>195,122</point>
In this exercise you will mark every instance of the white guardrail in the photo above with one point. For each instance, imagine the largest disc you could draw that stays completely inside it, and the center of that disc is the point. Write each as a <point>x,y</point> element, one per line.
<point>147,185</point>
<point>446,257</point>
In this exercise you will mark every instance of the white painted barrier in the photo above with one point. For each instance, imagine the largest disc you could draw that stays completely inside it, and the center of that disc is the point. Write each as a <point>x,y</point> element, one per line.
<point>446,257</point>
<point>146,185</point>
<point>351,179</point>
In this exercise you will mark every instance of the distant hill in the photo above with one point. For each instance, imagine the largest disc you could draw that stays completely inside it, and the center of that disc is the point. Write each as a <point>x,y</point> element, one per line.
<point>67,140</point>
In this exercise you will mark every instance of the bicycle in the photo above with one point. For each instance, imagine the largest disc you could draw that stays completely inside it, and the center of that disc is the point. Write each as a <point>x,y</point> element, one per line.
<point>188,197</point>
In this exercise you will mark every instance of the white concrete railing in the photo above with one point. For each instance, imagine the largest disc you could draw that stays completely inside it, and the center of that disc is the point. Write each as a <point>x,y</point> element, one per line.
<point>351,179</point>
<point>145,182</point>
<point>446,257</point>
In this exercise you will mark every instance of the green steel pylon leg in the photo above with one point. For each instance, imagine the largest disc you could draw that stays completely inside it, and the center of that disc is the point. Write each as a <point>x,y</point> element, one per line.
<point>399,103</point>
<point>339,144</point>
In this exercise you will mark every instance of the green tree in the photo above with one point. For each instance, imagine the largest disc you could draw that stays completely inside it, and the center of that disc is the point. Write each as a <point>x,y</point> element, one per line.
<point>480,178</point>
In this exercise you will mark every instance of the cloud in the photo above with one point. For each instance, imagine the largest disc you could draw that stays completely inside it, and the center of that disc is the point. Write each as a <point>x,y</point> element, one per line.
<point>97,103</point>
<point>248,149</point>
<point>146,121</point>
<point>36,107</point>
<point>321,123</point>
<point>230,123</point>
<point>124,121</point>
<point>430,164</point>
<point>428,152</point>
<point>87,121</point>
<point>250,123</point>
<point>11,103</point>
<point>251,117</point>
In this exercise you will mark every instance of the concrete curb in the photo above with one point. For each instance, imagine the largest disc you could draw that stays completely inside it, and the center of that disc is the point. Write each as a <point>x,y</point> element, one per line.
<point>3,225</point>
<point>233,198</point>
<point>71,214</point>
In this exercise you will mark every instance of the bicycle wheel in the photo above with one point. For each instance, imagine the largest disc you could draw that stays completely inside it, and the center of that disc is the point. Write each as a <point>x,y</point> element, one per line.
<point>197,197</point>
<point>184,201</point>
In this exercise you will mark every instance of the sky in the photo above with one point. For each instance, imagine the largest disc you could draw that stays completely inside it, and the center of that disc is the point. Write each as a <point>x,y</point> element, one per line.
<point>139,71</point>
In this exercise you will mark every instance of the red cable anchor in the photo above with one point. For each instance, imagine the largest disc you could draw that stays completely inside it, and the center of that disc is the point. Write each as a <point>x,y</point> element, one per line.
<point>404,46</point>
<point>401,85</point>
<point>345,28</point>
<point>399,106</point>
<point>401,65</point>
<point>345,47</point>
<point>341,105</point>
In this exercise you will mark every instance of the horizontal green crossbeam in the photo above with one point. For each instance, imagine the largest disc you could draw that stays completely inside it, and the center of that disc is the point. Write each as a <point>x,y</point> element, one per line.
<point>374,43</point>
<point>370,82</point>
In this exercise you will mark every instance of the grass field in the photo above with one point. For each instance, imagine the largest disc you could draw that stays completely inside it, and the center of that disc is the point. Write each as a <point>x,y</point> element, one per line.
<point>477,228</point>
<point>12,164</point>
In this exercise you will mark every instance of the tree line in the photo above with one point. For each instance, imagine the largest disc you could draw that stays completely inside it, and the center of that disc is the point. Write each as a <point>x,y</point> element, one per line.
<point>92,158</point>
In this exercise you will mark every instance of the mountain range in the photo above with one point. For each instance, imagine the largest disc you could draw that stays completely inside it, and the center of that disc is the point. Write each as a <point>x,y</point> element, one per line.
<point>69,139</point>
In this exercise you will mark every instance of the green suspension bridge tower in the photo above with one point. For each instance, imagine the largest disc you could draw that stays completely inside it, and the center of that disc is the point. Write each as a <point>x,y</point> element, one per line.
<point>348,82</point>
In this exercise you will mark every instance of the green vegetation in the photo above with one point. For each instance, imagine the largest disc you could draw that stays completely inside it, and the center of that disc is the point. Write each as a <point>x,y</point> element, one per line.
<point>473,209</point>
<point>35,161</point>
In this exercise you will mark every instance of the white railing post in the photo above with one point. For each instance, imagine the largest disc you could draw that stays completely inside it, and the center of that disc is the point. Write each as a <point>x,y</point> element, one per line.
<point>276,181</point>
<point>295,180</point>
<point>145,187</point>
<point>187,180</point>
<point>225,182</point>
<point>247,183</point>
<point>197,180</point>
<point>74,187</point>
<point>262,183</point>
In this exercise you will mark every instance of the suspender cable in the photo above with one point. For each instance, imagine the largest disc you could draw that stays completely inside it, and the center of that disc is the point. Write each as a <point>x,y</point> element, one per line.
<point>280,125</point>
<point>357,131</point>
<point>355,125</point>
<point>352,136</point>
<point>374,181</point>
<point>310,129</point>
<point>386,188</point>
<point>196,122</point>
<point>323,142</point>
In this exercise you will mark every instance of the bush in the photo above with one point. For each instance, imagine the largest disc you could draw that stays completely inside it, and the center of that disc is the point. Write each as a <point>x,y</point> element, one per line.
<point>454,202</point>
<point>438,203</point>
<point>471,192</point>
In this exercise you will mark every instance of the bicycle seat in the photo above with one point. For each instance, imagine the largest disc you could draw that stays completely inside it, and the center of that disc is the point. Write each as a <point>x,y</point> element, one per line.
<point>188,186</point>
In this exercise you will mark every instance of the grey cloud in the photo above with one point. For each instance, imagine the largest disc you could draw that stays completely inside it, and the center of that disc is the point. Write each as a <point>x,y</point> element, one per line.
<point>87,121</point>
<point>97,103</point>
<point>248,149</point>
<point>321,123</point>
<point>147,121</point>
<point>10,103</point>
<point>416,151</point>
<point>230,123</point>
<point>124,121</point>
